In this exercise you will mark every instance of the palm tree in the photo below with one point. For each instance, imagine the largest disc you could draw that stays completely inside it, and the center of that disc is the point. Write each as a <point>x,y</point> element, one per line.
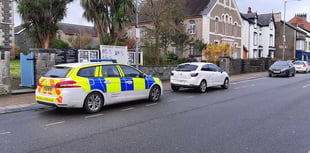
<point>40,18</point>
<point>109,17</point>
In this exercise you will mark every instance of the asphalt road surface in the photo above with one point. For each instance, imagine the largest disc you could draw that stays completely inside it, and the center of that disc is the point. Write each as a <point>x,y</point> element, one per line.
<point>265,115</point>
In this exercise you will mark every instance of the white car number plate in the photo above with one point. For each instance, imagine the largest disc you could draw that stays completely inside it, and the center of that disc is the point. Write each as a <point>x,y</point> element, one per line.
<point>276,71</point>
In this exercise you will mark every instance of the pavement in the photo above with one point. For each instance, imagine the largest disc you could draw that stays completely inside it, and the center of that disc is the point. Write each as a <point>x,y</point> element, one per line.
<point>24,100</point>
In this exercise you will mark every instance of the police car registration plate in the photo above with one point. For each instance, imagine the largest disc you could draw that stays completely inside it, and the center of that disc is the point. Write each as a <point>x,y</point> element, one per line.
<point>48,89</point>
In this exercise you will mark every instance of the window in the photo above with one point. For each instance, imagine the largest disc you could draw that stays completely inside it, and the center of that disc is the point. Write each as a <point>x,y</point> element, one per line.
<point>192,27</point>
<point>58,72</point>
<point>130,72</point>
<point>143,32</point>
<point>226,26</point>
<point>87,72</point>
<point>130,32</point>
<point>174,50</point>
<point>300,45</point>
<point>211,67</point>
<point>110,71</point>
<point>271,40</point>
<point>255,53</point>
<point>235,29</point>
<point>271,26</point>
<point>186,67</point>
<point>216,25</point>
<point>255,38</point>
<point>191,50</point>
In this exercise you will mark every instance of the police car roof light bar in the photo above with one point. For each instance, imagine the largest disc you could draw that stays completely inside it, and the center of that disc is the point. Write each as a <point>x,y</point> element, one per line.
<point>104,60</point>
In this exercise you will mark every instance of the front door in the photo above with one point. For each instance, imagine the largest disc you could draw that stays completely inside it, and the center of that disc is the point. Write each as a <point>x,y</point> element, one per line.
<point>134,82</point>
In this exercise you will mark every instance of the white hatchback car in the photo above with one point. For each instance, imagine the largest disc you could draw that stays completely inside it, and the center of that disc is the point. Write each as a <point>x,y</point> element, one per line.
<point>198,75</point>
<point>302,66</point>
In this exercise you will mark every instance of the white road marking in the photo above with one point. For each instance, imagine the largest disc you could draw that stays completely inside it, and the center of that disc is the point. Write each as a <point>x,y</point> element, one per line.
<point>189,96</point>
<point>91,116</point>
<point>248,80</point>
<point>4,133</point>
<point>172,100</point>
<point>127,109</point>
<point>56,123</point>
<point>305,86</point>
<point>151,104</point>
<point>246,86</point>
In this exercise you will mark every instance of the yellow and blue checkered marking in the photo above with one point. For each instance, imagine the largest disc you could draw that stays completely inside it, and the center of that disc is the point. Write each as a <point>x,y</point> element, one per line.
<point>127,86</point>
<point>149,81</point>
<point>98,83</point>
<point>121,84</point>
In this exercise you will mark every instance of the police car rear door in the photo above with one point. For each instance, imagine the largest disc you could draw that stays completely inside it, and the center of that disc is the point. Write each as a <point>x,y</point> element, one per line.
<point>112,81</point>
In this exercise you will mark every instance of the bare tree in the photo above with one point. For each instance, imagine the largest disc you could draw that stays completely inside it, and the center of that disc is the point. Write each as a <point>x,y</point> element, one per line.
<point>80,41</point>
<point>165,15</point>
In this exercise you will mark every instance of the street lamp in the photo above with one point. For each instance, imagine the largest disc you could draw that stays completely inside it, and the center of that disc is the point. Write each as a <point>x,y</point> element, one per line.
<point>136,59</point>
<point>284,40</point>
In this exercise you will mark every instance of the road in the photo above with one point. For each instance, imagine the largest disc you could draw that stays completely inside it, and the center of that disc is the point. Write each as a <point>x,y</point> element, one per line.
<point>265,115</point>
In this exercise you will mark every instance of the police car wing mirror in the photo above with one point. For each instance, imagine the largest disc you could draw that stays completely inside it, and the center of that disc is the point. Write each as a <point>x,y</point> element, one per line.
<point>143,75</point>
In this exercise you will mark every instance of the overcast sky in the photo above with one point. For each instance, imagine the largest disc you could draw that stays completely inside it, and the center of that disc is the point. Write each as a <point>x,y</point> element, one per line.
<point>74,12</point>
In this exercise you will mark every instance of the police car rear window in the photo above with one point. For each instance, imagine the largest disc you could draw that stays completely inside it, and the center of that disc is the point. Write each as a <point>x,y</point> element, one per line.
<point>58,72</point>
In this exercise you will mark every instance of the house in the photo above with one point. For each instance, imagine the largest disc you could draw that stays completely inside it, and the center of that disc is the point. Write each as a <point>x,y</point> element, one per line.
<point>294,42</point>
<point>212,21</point>
<point>302,44</point>
<point>65,32</point>
<point>258,35</point>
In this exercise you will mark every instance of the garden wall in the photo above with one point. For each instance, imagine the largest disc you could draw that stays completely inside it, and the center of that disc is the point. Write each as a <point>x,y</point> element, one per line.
<point>239,66</point>
<point>5,87</point>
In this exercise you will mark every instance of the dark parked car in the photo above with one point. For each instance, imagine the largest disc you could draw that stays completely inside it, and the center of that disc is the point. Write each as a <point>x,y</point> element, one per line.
<point>282,68</point>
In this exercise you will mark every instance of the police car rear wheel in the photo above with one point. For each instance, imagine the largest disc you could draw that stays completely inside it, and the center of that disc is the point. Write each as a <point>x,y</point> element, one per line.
<point>154,94</point>
<point>93,102</point>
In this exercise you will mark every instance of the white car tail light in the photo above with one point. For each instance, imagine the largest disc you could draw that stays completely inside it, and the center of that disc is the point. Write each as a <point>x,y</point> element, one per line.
<point>194,74</point>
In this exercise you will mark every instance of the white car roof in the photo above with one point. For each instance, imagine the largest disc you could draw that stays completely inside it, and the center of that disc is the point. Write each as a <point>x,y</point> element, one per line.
<point>197,63</point>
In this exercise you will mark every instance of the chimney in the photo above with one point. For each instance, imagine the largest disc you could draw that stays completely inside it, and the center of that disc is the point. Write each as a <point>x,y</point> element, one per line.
<point>302,15</point>
<point>249,10</point>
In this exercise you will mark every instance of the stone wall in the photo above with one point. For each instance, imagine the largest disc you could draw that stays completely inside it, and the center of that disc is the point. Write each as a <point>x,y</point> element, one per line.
<point>6,23</point>
<point>162,72</point>
<point>45,59</point>
<point>5,71</point>
<point>239,66</point>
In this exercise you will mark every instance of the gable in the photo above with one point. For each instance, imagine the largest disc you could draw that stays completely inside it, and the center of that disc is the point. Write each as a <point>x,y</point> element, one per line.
<point>225,10</point>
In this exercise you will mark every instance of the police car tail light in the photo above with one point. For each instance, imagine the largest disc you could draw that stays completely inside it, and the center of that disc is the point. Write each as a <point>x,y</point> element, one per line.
<point>305,65</point>
<point>194,74</point>
<point>67,84</point>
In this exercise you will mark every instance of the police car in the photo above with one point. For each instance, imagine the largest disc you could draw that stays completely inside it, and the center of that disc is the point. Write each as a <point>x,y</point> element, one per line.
<point>93,85</point>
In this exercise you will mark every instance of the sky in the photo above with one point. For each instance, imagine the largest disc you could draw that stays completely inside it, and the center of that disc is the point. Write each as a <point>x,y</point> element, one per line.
<point>74,10</point>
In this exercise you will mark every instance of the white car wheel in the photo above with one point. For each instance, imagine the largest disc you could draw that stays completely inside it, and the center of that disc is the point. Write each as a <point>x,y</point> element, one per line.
<point>203,86</point>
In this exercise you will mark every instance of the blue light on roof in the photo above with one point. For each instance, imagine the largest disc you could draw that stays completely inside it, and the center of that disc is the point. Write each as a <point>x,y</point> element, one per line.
<point>104,60</point>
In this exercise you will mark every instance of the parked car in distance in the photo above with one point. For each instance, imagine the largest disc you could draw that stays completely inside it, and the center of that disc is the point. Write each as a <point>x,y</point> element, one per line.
<point>93,85</point>
<point>199,75</point>
<point>282,68</point>
<point>302,66</point>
